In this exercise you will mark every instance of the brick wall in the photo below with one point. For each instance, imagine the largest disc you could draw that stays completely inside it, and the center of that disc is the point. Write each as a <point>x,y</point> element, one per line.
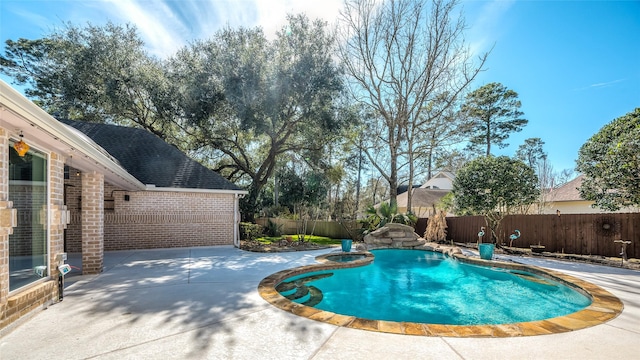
<point>153,219</point>
<point>92,222</point>
<point>56,201</point>
<point>72,199</point>
<point>23,303</point>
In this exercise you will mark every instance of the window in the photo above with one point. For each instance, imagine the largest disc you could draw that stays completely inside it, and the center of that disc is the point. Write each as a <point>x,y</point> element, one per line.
<point>28,244</point>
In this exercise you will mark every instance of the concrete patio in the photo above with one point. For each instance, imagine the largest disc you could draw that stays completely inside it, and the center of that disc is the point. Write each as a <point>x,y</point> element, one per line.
<point>203,303</point>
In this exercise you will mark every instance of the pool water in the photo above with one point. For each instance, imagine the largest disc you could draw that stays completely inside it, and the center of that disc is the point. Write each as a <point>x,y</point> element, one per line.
<point>345,257</point>
<point>425,287</point>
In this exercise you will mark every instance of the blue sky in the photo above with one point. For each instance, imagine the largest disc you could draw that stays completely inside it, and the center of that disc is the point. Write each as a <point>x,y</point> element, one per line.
<point>574,64</point>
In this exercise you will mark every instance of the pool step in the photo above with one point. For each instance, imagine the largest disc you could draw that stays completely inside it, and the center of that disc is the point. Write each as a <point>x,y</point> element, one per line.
<point>301,292</point>
<point>293,284</point>
<point>532,278</point>
<point>315,296</point>
<point>298,290</point>
<point>284,287</point>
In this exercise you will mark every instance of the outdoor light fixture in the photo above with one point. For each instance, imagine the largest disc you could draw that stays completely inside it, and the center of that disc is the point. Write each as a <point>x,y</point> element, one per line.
<point>558,212</point>
<point>21,147</point>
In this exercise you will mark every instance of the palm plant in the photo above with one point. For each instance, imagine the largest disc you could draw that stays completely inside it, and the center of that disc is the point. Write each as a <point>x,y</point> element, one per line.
<point>386,213</point>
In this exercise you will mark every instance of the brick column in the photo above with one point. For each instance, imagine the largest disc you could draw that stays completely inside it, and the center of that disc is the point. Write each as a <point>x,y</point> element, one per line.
<point>92,222</point>
<point>56,203</point>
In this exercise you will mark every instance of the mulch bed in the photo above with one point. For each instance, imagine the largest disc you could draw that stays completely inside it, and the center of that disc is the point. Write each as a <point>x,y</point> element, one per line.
<point>633,264</point>
<point>283,246</point>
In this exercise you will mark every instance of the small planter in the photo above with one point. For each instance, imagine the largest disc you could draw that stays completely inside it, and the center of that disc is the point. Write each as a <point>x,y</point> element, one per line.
<point>486,251</point>
<point>346,245</point>
<point>537,248</point>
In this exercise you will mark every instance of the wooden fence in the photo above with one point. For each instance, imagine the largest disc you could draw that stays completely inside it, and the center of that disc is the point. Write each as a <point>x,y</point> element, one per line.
<point>331,229</point>
<point>584,234</point>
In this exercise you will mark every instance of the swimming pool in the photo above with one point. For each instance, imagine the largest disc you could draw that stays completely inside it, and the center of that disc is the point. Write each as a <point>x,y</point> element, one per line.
<point>605,306</point>
<point>427,287</point>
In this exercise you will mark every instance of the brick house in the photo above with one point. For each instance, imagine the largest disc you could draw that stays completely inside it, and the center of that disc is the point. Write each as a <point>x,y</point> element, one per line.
<point>88,188</point>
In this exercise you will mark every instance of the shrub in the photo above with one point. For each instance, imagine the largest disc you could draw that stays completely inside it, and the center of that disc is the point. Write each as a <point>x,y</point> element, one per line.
<point>377,218</point>
<point>273,228</point>
<point>250,231</point>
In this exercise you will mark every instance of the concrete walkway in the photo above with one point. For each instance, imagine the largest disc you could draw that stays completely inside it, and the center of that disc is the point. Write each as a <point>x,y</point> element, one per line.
<point>202,303</point>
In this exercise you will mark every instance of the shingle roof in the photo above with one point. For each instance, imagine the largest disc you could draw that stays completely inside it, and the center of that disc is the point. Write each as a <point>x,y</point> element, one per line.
<point>150,159</point>
<point>568,191</point>
<point>425,198</point>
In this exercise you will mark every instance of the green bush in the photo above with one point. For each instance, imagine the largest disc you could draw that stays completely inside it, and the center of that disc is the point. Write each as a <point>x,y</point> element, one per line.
<point>250,231</point>
<point>377,218</point>
<point>273,228</point>
<point>277,211</point>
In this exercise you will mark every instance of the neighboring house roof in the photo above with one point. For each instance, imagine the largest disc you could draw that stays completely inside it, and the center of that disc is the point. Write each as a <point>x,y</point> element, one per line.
<point>441,180</point>
<point>150,159</point>
<point>568,191</point>
<point>422,198</point>
<point>404,188</point>
<point>428,194</point>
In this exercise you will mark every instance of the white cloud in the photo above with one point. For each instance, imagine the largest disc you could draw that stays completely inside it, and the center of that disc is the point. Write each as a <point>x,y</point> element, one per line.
<point>485,26</point>
<point>155,21</point>
<point>600,85</point>
<point>165,26</point>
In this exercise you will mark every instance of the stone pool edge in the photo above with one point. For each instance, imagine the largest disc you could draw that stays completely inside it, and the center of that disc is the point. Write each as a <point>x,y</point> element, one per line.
<point>604,307</point>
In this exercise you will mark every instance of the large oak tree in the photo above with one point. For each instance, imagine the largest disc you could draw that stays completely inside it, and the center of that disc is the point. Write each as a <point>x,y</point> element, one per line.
<point>280,98</point>
<point>94,73</point>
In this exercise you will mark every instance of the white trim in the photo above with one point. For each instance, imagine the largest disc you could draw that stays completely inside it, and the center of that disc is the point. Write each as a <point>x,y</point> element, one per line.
<point>48,213</point>
<point>193,190</point>
<point>236,219</point>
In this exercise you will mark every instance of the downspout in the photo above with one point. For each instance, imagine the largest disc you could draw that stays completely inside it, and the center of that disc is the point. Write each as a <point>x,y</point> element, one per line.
<point>236,219</point>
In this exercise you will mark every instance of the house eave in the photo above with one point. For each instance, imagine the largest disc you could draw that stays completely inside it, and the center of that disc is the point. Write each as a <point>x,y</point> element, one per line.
<point>20,115</point>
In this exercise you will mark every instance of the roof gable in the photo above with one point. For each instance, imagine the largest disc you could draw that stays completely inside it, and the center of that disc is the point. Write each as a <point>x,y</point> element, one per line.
<point>150,159</point>
<point>568,191</point>
<point>421,197</point>
<point>441,180</point>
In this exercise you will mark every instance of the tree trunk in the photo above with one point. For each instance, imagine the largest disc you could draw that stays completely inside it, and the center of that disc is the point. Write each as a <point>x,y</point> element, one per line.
<point>411,170</point>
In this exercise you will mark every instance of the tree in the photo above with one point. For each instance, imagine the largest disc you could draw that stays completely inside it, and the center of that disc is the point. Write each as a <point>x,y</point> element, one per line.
<point>452,160</point>
<point>495,113</point>
<point>610,162</point>
<point>494,187</point>
<point>96,74</point>
<point>399,55</point>
<point>279,96</point>
<point>304,194</point>
<point>309,188</point>
<point>531,152</point>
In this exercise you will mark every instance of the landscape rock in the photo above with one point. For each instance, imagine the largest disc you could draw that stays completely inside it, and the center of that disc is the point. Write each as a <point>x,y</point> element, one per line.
<point>396,236</point>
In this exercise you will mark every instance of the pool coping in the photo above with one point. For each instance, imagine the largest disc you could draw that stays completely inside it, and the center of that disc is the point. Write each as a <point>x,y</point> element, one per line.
<point>604,307</point>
